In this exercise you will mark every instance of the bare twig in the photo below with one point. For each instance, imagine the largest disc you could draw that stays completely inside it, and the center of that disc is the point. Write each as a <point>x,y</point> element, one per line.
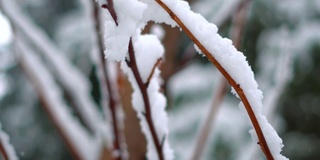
<point>106,84</point>
<point>262,141</point>
<point>143,88</point>
<point>206,129</point>
<point>239,22</point>
<point>152,71</point>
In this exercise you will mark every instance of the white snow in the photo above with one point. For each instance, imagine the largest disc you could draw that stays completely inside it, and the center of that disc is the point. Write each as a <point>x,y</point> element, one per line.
<point>6,33</point>
<point>148,50</point>
<point>129,13</point>
<point>5,142</point>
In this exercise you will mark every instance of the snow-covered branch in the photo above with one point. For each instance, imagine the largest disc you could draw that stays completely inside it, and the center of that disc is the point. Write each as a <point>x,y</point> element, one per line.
<point>108,92</point>
<point>132,63</point>
<point>68,76</point>
<point>79,141</point>
<point>233,66</point>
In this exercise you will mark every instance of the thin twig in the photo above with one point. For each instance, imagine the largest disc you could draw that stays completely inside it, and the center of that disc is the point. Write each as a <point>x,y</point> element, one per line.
<point>143,88</point>
<point>262,141</point>
<point>106,84</point>
<point>239,22</point>
<point>206,129</point>
<point>152,71</point>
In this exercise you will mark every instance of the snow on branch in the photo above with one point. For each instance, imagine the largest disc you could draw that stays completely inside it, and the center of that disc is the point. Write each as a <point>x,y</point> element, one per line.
<point>70,77</point>
<point>144,55</point>
<point>110,95</point>
<point>233,66</point>
<point>6,149</point>
<point>140,66</point>
<point>78,140</point>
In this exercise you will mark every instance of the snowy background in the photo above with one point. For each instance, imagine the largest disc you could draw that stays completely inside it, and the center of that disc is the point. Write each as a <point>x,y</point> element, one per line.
<point>281,40</point>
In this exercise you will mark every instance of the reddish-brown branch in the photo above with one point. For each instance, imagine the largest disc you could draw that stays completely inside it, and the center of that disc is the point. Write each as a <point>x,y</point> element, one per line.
<point>110,7</point>
<point>143,88</point>
<point>232,82</point>
<point>106,84</point>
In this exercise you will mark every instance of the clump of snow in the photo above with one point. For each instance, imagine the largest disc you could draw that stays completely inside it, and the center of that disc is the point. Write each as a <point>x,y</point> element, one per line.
<point>155,13</point>
<point>148,50</point>
<point>8,148</point>
<point>129,14</point>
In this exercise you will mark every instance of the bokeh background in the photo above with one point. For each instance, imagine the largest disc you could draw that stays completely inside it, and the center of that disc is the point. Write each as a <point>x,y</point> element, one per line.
<point>281,40</point>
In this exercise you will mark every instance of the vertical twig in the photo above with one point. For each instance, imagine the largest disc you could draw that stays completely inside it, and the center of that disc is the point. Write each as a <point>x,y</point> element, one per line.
<point>143,88</point>
<point>262,141</point>
<point>206,129</point>
<point>105,81</point>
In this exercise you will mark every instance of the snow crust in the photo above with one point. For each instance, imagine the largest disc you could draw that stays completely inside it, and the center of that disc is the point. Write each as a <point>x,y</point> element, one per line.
<point>5,142</point>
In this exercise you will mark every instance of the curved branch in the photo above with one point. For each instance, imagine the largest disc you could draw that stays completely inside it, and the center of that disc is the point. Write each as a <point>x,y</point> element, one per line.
<point>262,141</point>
